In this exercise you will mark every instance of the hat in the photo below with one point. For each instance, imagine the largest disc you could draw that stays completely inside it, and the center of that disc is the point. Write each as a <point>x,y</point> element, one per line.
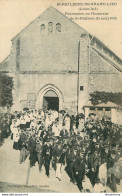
<point>75,148</point>
<point>51,139</point>
<point>92,114</point>
<point>86,137</point>
<point>85,143</point>
<point>55,138</point>
<point>113,152</point>
<point>96,143</point>
<point>60,139</point>
<point>96,150</point>
<point>41,139</point>
<point>50,133</point>
<point>97,180</point>
<point>65,137</point>
<point>118,149</point>
<point>47,140</point>
<point>81,115</point>
<point>65,146</point>
<point>59,143</point>
<point>37,141</point>
<point>82,152</point>
<point>74,143</point>
<point>106,145</point>
<point>79,138</point>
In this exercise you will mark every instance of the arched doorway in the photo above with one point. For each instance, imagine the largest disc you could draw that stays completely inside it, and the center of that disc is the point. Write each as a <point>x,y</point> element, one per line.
<point>49,97</point>
<point>50,101</point>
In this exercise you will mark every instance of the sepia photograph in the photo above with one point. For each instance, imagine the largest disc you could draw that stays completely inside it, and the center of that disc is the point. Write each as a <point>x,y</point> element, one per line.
<point>60,96</point>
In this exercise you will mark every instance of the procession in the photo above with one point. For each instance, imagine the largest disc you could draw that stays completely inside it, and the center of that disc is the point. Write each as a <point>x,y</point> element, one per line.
<point>88,149</point>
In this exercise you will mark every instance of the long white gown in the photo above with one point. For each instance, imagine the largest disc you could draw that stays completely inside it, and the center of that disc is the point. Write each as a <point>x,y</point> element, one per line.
<point>103,173</point>
<point>67,123</point>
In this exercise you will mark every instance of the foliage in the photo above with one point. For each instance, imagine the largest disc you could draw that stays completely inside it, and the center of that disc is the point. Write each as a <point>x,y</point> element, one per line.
<point>103,97</point>
<point>6,87</point>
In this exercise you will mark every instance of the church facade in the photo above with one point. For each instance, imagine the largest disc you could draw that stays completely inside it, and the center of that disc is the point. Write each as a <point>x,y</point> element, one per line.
<point>56,65</point>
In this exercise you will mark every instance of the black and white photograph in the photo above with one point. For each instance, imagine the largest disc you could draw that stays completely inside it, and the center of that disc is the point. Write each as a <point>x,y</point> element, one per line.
<point>60,96</point>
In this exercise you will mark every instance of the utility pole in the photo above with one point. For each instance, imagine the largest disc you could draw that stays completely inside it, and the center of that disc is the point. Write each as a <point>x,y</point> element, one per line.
<point>78,76</point>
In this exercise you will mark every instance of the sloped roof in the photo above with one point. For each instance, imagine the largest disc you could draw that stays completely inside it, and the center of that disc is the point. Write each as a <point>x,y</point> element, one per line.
<point>117,62</point>
<point>111,61</point>
<point>108,104</point>
<point>49,9</point>
<point>104,105</point>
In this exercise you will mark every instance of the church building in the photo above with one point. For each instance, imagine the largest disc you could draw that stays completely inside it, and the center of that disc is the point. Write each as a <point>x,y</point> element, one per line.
<point>56,64</point>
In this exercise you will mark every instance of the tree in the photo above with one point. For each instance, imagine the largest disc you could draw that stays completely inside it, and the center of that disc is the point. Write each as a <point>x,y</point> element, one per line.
<point>103,97</point>
<point>6,87</point>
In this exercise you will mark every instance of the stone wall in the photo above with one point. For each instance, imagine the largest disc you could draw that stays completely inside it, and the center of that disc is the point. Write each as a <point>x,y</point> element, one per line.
<point>33,83</point>
<point>42,50</point>
<point>43,54</point>
<point>103,76</point>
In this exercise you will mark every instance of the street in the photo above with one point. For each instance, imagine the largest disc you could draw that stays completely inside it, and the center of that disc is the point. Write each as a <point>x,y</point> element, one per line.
<point>13,175</point>
<point>16,174</point>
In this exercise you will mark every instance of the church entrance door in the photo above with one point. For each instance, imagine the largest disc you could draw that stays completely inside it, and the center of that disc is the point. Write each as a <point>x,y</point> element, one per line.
<point>50,101</point>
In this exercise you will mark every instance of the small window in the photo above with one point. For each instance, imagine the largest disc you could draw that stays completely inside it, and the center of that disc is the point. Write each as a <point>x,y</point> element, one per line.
<point>107,109</point>
<point>58,27</point>
<point>99,109</point>
<point>50,27</point>
<point>92,108</point>
<point>81,88</point>
<point>42,27</point>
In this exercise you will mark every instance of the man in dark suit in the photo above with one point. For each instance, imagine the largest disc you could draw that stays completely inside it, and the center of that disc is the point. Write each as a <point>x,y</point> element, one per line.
<point>59,156</point>
<point>95,160</point>
<point>31,149</point>
<point>79,169</point>
<point>112,178</point>
<point>39,147</point>
<point>70,158</point>
<point>46,154</point>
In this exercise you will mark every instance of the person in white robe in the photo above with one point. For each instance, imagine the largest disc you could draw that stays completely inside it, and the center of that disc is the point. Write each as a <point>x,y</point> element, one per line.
<point>13,125</point>
<point>81,125</point>
<point>67,123</point>
<point>103,173</point>
<point>87,186</point>
<point>55,129</point>
<point>16,137</point>
<point>33,124</point>
<point>99,188</point>
<point>31,115</point>
<point>55,114</point>
<point>22,122</point>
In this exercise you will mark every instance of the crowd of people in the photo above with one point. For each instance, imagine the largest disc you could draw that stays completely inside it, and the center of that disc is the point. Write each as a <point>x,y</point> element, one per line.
<point>88,148</point>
